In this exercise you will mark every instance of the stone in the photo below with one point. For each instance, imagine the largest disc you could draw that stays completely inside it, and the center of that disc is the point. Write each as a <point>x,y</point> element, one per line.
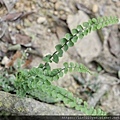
<point>5,60</point>
<point>19,27</point>
<point>61,12</point>
<point>55,12</point>
<point>41,20</point>
<point>63,16</point>
<point>58,5</point>
<point>30,107</point>
<point>117,4</point>
<point>95,8</point>
<point>27,23</point>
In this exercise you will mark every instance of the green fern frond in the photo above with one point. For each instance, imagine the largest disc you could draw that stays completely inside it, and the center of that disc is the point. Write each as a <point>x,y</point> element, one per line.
<point>55,74</point>
<point>37,82</point>
<point>82,30</point>
<point>53,93</point>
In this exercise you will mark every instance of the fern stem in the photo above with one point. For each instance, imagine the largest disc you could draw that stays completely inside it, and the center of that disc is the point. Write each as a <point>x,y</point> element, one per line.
<point>83,30</point>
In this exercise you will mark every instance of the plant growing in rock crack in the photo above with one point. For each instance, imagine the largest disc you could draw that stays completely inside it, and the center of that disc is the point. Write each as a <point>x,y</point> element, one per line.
<point>37,82</point>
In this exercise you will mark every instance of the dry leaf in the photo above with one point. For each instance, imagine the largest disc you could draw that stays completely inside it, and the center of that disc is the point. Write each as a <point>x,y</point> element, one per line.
<point>27,14</point>
<point>17,55</point>
<point>27,62</point>
<point>15,16</point>
<point>21,39</point>
<point>12,16</point>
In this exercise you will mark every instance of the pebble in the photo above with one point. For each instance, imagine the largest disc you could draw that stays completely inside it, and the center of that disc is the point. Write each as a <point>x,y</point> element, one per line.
<point>10,29</point>
<point>61,12</point>
<point>27,23</point>
<point>55,12</point>
<point>58,5</point>
<point>33,7</point>
<point>5,60</point>
<point>17,5</point>
<point>63,17</point>
<point>95,8</point>
<point>49,30</point>
<point>41,20</point>
<point>18,27</point>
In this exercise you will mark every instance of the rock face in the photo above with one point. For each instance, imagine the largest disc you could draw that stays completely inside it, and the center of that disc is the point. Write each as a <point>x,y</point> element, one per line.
<point>90,46</point>
<point>28,106</point>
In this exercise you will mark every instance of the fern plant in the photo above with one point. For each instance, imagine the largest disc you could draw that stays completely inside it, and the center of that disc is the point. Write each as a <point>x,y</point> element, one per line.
<point>37,82</point>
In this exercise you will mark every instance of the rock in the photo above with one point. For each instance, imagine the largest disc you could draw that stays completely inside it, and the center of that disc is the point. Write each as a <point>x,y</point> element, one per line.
<point>55,12</point>
<point>105,83</point>
<point>61,31</point>
<point>61,12</point>
<point>59,5</point>
<point>27,23</point>
<point>63,16</point>
<point>28,106</point>
<point>111,101</point>
<point>33,7</point>
<point>117,4</point>
<point>110,63</point>
<point>41,20</point>
<point>114,41</point>
<point>90,46</point>
<point>95,8</point>
<point>19,27</point>
<point>5,60</point>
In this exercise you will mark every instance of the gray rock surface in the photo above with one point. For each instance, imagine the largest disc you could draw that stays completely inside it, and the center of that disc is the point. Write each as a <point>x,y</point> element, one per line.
<point>28,106</point>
